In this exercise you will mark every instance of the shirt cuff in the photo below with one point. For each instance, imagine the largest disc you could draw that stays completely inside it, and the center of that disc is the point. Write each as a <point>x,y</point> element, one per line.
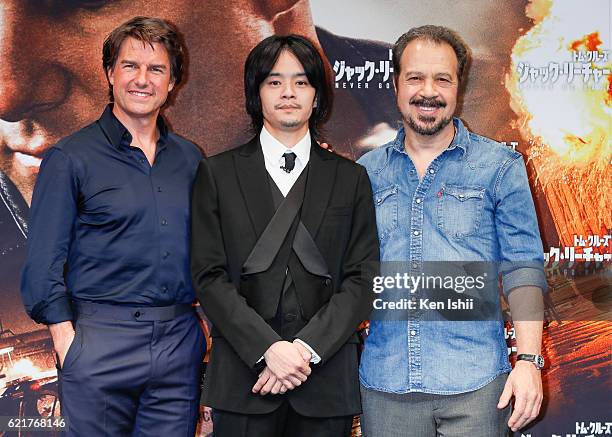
<point>315,358</point>
<point>55,311</point>
<point>524,276</point>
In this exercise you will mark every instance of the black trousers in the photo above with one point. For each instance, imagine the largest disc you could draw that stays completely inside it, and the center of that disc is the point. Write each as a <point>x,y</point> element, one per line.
<point>282,422</point>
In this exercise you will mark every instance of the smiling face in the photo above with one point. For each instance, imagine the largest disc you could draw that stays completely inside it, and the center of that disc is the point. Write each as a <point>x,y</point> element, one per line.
<point>52,82</point>
<point>287,98</point>
<point>141,79</point>
<point>427,87</point>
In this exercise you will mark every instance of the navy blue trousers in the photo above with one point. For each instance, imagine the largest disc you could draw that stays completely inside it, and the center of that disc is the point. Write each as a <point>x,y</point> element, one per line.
<point>132,376</point>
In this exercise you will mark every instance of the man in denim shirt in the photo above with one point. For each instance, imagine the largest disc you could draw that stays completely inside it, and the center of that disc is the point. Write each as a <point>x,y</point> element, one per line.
<point>443,193</point>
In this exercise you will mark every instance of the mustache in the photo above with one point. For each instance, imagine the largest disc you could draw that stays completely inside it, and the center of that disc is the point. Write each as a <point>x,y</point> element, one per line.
<point>432,102</point>
<point>287,105</point>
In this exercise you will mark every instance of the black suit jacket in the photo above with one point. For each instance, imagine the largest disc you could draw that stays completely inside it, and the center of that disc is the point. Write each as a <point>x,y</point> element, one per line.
<point>232,205</point>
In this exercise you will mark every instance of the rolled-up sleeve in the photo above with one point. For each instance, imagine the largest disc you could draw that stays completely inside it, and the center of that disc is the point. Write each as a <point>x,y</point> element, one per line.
<point>50,229</point>
<point>520,245</point>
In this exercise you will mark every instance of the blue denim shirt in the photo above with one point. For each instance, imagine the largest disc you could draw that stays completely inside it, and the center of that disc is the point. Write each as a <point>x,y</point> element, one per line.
<point>473,204</point>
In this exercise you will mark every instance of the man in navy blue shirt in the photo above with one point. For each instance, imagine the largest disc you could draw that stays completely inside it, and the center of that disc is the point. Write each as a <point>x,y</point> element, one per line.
<point>107,266</point>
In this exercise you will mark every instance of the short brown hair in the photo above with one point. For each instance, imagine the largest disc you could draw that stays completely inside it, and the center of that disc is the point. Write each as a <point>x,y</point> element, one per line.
<point>149,31</point>
<point>435,34</point>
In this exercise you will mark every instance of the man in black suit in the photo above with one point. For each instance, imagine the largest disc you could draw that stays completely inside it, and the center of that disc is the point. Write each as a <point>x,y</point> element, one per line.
<point>283,233</point>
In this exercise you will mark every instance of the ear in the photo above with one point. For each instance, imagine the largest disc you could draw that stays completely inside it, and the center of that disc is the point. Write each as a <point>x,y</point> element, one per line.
<point>171,86</point>
<point>109,76</point>
<point>314,103</point>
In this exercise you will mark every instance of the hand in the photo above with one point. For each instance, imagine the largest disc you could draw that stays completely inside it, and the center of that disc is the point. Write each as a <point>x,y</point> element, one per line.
<point>268,383</point>
<point>306,354</point>
<point>326,146</point>
<point>63,336</point>
<point>525,382</point>
<point>286,363</point>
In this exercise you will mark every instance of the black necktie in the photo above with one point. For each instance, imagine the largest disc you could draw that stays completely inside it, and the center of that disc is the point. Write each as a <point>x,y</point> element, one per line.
<point>289,161</point>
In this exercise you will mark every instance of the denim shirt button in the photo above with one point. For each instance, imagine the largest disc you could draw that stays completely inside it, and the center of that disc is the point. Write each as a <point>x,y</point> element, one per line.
<point>416,232</point>
<point>418,200</point>
<point>413,332</point>
<point>431,171</point>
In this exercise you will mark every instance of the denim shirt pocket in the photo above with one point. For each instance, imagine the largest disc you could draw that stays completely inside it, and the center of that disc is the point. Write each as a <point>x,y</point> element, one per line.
<point>385,202</point>
<point>460,210</point>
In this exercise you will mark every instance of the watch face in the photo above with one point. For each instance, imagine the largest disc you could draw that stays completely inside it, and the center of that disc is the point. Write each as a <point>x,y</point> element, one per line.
<point>539,361</point>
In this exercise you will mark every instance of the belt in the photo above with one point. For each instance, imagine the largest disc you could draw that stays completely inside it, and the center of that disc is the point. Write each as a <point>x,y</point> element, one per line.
<point>140,314</point>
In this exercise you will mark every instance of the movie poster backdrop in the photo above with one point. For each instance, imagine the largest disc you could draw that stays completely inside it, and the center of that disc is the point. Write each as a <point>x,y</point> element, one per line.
<point>540,82</point>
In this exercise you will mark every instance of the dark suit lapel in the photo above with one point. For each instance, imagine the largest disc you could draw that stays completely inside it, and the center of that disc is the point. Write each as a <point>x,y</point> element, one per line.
<point>321,178</point>
<point>253,180</point>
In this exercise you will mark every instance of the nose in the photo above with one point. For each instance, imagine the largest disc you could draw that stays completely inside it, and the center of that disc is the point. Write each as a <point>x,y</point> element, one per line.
<point>288,90</point>
<point>142,76</point>
<point>429,89</point>
<point>31,79</point>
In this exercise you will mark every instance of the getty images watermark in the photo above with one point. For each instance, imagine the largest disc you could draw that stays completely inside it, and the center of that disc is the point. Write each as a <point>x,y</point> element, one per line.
<point>412,283</point>
<point>442,291</point>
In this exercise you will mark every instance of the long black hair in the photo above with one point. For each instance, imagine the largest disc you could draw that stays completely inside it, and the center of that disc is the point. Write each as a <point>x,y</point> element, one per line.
<point>262,59</point>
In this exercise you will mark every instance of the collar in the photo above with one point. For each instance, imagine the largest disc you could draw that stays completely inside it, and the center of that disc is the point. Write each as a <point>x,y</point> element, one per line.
<point>274,149</point>
<point>117,133</point>
<point>460,140</point>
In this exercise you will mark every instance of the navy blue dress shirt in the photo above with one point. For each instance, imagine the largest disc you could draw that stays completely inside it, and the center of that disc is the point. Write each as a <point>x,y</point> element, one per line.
<point>106,226</point>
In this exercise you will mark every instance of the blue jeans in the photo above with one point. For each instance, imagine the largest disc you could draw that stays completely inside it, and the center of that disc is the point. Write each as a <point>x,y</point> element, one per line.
<point>472,414</point>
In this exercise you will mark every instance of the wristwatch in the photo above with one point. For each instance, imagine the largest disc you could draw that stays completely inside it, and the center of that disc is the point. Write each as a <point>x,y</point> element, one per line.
<point>537,360</point>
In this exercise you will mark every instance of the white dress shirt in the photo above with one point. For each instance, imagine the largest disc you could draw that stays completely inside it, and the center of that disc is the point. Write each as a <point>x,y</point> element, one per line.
<point>273,151</point>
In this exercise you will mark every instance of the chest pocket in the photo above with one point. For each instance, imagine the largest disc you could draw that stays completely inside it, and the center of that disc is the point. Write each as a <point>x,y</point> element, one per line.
<point>460,210</point>
<point>385,202</point>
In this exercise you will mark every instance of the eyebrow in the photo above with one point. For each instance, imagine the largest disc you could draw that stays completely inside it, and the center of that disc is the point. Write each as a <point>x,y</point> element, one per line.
<point>275,74</point>
<point>419,73</point>
<point>127,61</point>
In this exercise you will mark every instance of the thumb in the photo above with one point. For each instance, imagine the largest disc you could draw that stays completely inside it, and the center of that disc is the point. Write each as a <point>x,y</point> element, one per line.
<point>506,395</point>
<point>305,355</point>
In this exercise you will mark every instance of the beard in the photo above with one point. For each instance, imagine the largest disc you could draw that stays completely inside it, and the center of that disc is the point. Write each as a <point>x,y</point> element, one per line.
<point>424,125</point>
<point>427,125</point>
<point>291,123</point>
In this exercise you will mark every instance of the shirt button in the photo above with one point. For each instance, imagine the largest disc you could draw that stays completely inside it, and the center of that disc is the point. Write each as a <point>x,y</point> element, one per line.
<point>137,314</point>
<point>415,264</point>
<point>166,254</point>
<point>159,189</point>
<point>164,222</point>
<point>418,200</point>
<point>413,332</point>
<point>431,171</point>
<point>165,288</point>
<point>416,233</point>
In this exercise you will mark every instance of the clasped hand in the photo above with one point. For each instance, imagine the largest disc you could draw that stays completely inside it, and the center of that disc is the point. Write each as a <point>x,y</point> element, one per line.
<point>287,367</point>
